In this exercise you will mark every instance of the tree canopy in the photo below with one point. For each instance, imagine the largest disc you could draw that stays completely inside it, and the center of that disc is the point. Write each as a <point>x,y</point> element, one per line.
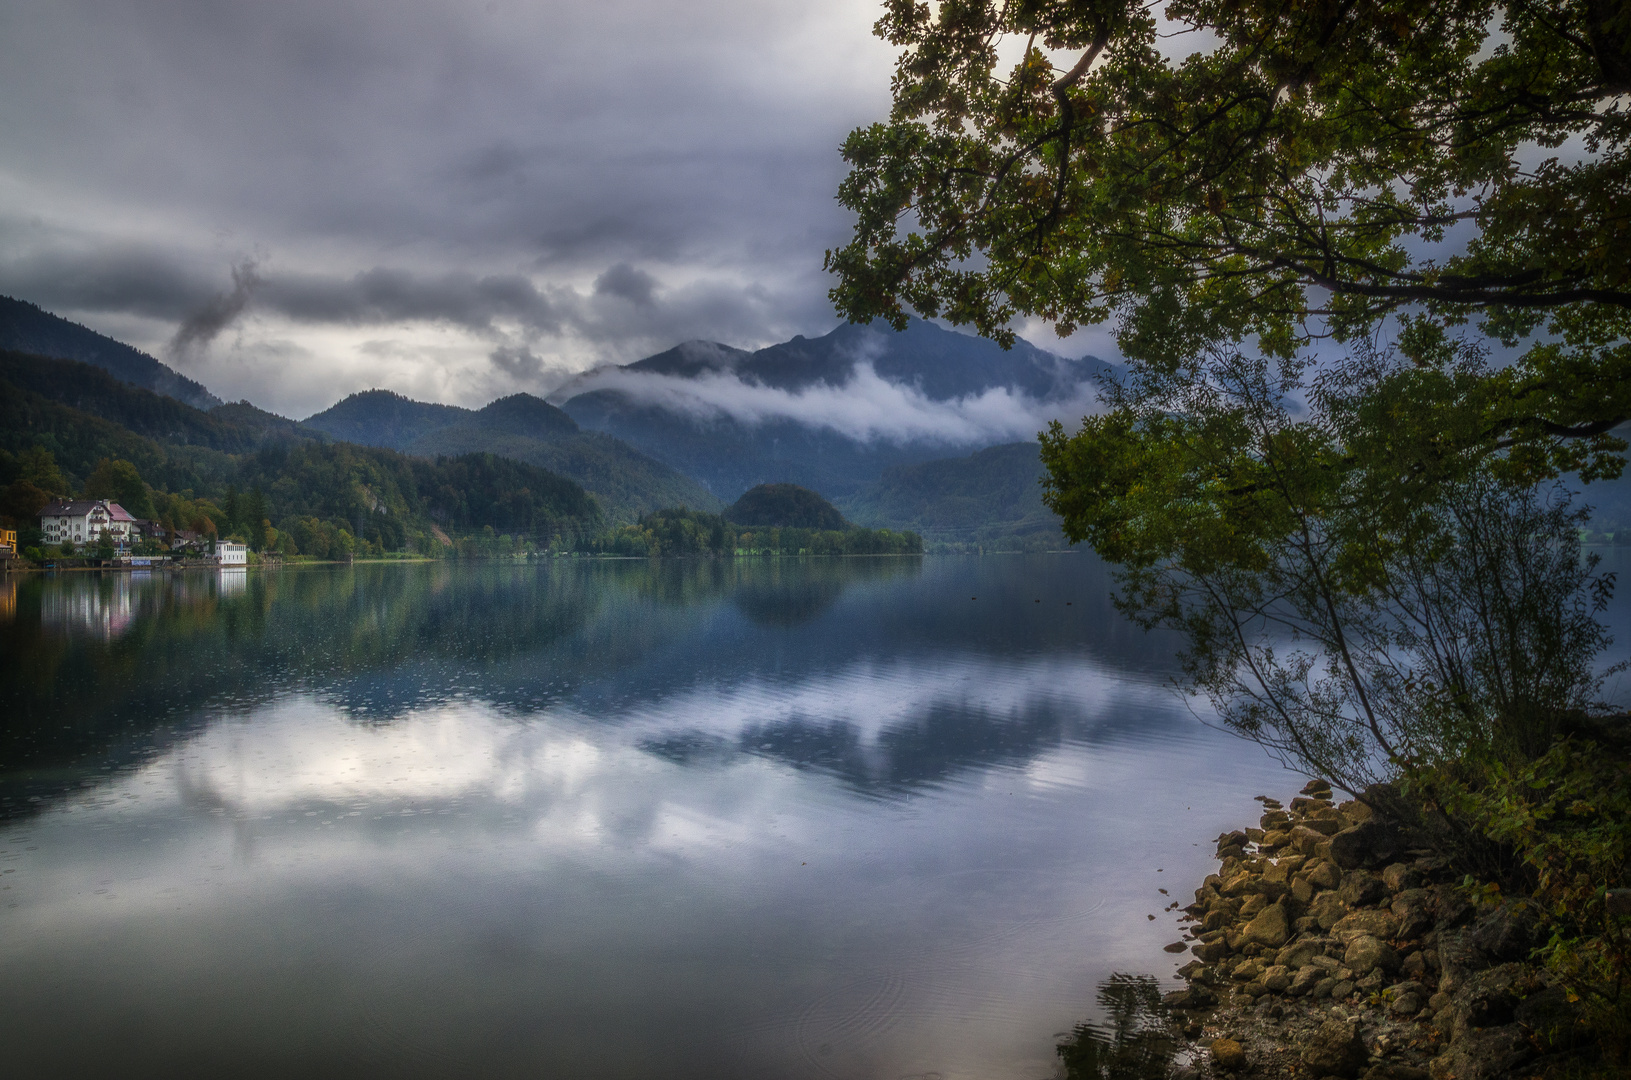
<point>1313,166</point>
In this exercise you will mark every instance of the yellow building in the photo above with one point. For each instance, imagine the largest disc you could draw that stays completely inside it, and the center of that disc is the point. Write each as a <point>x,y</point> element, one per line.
<point>8,540</point>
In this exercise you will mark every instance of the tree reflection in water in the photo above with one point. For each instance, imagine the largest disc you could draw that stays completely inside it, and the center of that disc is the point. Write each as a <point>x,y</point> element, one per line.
<point>1135,1039</point>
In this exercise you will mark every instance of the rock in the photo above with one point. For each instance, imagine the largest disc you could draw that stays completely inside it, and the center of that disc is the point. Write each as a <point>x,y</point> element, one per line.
<point>1413,966</point>
<point>1239,884</point>
<point>1392,1071</point>
<point>1277,978</point>
<point>1300,953</point>
<point>1210,952</point>
<point>1450,907</point>
<point>1275,838</point>
<point>1365,955</point>
<point>1316,787</point>
<point>1406,1005</point>
<point>1194,970</point>
<point>1342,989</point>
<point>1507,933</point>
<point>1217,919</point>
<point>1302,890</point>
<point>1367,844</point>
<point>1371,983</point>
<point>1324,987</point>
<point>1323,875</point>
<point>1368,923</point>
<point>1400,876</point>
<point>1361,888</point>
<point>1247,970</point>
<point>1275,819</point>
<point>1487,998</point>
<point>1327,909</point>
<point>1307,977</point>
<point>1175,947</point>
<point>1196,997</point>
<point>1325,826</point>
<point>1303,804</point>
<point>1486,1054</point>
<point>1335,1049</point>
<point>1228,1055</point>
<point>1253,905</point>
<point>1306,840</point>
<point>1270,928</point>
<point>1414,910</point>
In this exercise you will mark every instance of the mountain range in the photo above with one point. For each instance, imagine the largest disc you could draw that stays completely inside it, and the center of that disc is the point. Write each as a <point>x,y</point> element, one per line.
<point>883,423</point>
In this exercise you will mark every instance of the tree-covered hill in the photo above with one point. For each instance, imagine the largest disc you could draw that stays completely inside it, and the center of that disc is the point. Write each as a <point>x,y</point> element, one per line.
<point>298,495</point>
<point>627,483</point>
<point>988,495</point>
<point>784,506</point>
<point>26,328</point>
<point>233,428</point>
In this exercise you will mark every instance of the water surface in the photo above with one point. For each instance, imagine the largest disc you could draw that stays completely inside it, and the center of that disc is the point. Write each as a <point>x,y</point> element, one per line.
<point>858,818</point>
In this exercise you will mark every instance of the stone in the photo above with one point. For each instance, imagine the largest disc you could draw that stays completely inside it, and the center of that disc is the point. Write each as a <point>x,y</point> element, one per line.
<point>1335,1049</point>
<point>1275,838</point>
<point>1486,1054</point>
<point>1487,998</point>
<point>1253,905</point>
<point>1217,919</point>
<point>1275,819</point>
<point>1304,981</point>
<point>1254,835</point>
<point>1231,852</point>
<point>1323,875</point>
<point>1406,1005</point>
<point>1393,1071</point>
<point>1323,988</point>
<point>1270,928</point>
<point>1414,910</point>
<point>1509,932</point>
<point>1367,844</point>
<point>1343,988</point>
<point>1327,909</point>
<point>1368,923</point>
<point>1304,804</point>
<point>1175,947</point>
<point>1247,970</point>
<point>1317,788</point>
<point>1210,952</point>
<point>1325,826</point>
<point>1240,884</point>
<point>1228,1055</point>
<point>1361,888</point>
<point>1302,890</point>
<point>1277,978</point>
<point>1366,954</point>
<point>1401,876</point>
<point>1371,983</point>
<point>1195,969</point>
<point>1305,839</point>
<point>1300,952</point>
<point>1414,965</point>
<point>1355,811</point>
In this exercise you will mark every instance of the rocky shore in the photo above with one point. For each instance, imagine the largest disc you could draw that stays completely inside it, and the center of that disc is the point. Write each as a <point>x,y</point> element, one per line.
<point>1326,947</point>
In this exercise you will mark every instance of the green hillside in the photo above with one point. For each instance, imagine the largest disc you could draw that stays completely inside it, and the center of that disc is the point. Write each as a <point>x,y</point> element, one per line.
<point>989,497</point>
<point>784,506</point>
<point>274,487</point>
<point>627,483</point>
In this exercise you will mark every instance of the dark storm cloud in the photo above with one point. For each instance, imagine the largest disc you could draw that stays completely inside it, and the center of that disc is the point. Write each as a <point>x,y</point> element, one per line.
<point>202,326</point>
<point>583,180</point>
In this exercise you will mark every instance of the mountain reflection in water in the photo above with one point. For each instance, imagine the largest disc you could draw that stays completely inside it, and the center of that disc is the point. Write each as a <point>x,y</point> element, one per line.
<point>779,818</point>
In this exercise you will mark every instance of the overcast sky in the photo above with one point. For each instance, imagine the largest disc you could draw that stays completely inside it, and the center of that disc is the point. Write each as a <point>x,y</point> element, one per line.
<point>294,200</point>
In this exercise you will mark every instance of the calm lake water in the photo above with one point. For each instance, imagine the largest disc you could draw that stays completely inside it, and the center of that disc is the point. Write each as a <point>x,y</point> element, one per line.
<point>855,818</point>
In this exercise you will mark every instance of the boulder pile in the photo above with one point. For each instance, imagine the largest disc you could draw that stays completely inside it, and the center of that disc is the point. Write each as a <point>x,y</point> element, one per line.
<point>1325,948</point>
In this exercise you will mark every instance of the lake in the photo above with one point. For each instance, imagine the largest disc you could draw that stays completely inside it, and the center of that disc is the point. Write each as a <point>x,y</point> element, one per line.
<point>855,818</point>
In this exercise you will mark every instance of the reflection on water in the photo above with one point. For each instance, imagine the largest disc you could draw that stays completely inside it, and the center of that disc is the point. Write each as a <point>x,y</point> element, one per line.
<point>1133,1038</point>
<point>829,818</point>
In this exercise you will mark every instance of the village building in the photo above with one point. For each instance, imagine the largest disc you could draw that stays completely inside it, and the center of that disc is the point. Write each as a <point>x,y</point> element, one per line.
<point>230,554</point>
<point>82,522</point>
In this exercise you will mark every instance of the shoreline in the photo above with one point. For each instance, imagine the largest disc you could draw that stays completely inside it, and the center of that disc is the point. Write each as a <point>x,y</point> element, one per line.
<point>1327,946</point>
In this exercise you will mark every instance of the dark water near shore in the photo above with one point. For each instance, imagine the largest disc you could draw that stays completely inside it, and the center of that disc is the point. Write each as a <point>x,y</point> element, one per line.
<point>827,818</point>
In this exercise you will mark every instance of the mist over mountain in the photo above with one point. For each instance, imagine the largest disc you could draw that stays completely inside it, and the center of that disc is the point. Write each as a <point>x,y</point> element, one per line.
<point>829,413</point>
<point>25,328</point>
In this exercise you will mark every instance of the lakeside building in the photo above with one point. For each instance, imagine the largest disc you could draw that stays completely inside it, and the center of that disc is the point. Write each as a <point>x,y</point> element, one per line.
<point>8,541</point>
<point>229,554</point>
<point>82,521</point>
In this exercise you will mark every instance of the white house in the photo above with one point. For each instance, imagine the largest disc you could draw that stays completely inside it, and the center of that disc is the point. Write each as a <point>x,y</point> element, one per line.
<point>81,522</point>
<point>231,554</point>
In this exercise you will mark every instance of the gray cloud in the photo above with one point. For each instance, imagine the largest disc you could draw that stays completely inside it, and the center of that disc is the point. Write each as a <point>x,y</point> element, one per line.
<point>431,193</point>
<point>201,327</point>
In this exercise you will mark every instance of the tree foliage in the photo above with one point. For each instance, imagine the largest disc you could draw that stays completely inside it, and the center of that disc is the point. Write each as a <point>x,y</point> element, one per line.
<point>1311,168</point>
